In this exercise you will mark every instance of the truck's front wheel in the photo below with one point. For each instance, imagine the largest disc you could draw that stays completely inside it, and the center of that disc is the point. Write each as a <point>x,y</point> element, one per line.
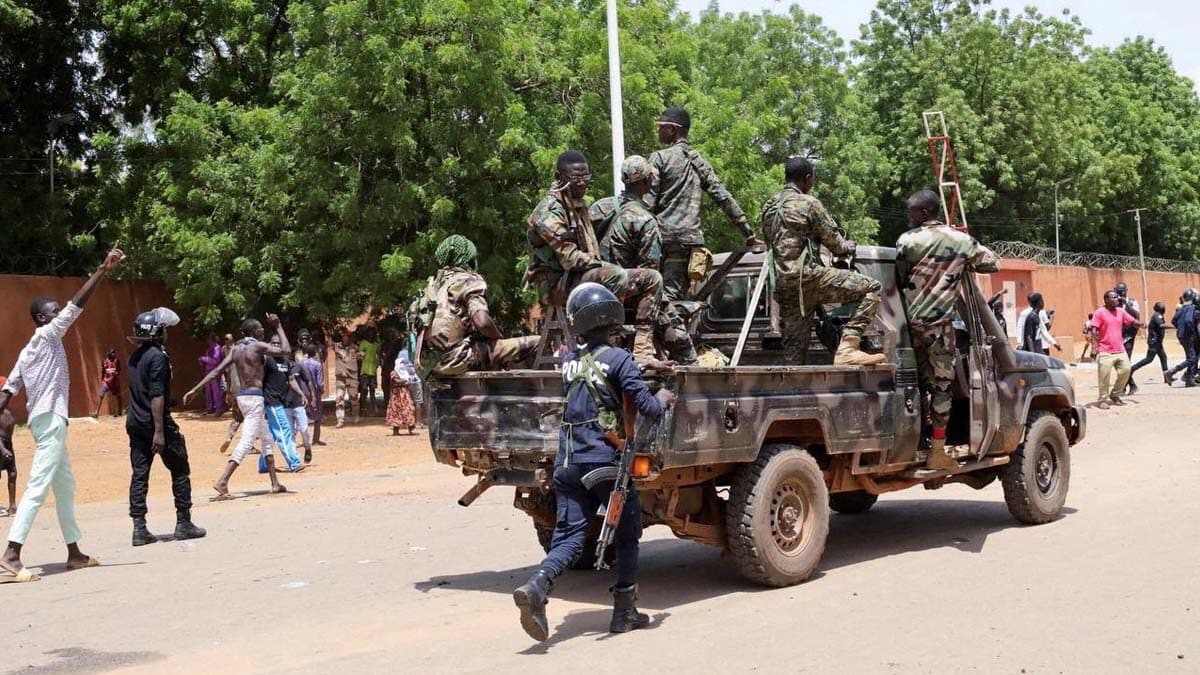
<point>1038,474</point>
<point>777,517</point>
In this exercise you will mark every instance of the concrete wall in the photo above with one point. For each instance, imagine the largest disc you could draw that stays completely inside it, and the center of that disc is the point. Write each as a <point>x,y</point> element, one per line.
<point>1074,292</point>
<point>105,323</point>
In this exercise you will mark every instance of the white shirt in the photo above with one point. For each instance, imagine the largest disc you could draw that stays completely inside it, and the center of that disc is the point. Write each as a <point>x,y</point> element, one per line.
<point>1043,338</point>
<point>42,367</point>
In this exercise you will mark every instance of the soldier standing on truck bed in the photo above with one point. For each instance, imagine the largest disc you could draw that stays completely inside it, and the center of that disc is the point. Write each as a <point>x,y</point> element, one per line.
<point>932,259</point>
<point>565,253</point>
<point>796,225</point>
<point>630,238</point>
<point>596,377</point>
<point>684,176</point>
<point>458,327</point>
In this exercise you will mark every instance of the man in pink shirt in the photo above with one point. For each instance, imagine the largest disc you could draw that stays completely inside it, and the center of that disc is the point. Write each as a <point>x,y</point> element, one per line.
<point>1109,322</point>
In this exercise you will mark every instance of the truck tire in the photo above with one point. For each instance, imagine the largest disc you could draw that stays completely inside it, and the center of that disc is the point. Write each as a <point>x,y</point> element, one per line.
<point>587,559</point>
<point>857,501</point>
<point>777,517</point>
<point>1038,474</point>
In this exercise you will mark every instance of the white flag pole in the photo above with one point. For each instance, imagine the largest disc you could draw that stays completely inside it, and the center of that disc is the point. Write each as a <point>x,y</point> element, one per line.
<point>614,95</point>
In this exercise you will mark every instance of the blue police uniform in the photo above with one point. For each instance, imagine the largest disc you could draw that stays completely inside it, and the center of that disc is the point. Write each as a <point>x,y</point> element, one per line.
<point>582,448</point>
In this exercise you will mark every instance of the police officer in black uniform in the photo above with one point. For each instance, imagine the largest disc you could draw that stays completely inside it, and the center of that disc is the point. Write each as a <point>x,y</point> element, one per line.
<point>595,377</point>
<point>151,429</point>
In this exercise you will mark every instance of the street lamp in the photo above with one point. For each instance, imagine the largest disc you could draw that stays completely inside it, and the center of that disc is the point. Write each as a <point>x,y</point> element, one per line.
<point>1057,246</point>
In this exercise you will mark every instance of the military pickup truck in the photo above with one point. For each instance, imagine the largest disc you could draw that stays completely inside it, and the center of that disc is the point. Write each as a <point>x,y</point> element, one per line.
<point>754,455</point>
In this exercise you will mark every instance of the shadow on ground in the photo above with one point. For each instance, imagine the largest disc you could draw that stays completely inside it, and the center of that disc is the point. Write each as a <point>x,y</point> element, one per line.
<point>674,572</point>
<point>81,660</point>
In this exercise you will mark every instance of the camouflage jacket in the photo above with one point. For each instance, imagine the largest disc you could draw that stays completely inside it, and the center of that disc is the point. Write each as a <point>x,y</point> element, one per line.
<point>632,241</point>
<point>450,298</point>
<point>561,237</point>
<point>683,177</point>
<point>795,226</point>
<point>932,260</point>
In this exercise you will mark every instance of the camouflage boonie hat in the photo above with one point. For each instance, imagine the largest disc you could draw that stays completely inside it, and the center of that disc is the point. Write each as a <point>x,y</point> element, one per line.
<point>636,168</point>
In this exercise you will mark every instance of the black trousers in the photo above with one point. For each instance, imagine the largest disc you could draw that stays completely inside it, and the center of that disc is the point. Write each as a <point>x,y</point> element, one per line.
<point>174,457</point>
<point>1152,352</point>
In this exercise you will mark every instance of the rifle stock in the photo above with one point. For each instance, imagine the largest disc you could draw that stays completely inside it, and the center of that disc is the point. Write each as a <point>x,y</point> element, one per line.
<point>616,499</point>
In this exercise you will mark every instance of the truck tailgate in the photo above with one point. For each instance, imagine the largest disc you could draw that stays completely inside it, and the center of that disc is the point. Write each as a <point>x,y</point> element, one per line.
<point>514,411</point>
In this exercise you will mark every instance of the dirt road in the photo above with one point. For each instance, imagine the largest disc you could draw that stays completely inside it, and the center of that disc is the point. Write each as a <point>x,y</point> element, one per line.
<point>371,567</point>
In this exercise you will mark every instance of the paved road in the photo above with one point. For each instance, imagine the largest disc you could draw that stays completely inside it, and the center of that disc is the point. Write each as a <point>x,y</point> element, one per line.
<point>380,571</point>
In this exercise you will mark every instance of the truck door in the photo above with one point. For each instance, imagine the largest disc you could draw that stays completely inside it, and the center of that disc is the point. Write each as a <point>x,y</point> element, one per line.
<point>985,410</point>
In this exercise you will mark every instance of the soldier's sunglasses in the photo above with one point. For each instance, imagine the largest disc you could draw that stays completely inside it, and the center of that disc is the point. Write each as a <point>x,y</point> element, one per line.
<point>580,179</point>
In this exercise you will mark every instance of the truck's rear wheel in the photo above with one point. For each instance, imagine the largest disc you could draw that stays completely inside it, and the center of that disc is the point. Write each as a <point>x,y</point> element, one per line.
<point>857,501</point>
<point>777,517</point>
<point>1038,474</point>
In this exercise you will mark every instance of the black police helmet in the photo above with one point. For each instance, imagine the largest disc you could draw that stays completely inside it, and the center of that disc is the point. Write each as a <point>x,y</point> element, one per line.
<point>591,306</point>
<point>152,325</point>
<point>1189,295</point>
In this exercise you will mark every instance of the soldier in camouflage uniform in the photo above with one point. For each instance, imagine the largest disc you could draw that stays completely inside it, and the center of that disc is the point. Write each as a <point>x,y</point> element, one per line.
<point>684,176</point>
<point>932,259</point>
<point>458,328</point>
<point>796,225</point>
<point>632,241</point>
<point>565,253</point>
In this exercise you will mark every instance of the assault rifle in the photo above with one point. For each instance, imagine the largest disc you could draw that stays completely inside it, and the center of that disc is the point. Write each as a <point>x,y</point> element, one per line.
<point>636,438</point>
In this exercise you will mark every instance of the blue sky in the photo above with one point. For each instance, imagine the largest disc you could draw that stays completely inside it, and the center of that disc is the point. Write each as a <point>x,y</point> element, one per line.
<point>1174,24</point>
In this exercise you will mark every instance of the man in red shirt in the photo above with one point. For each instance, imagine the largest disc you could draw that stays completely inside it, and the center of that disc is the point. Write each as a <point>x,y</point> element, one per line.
<point>110,382</point>
<point>1110,322</point>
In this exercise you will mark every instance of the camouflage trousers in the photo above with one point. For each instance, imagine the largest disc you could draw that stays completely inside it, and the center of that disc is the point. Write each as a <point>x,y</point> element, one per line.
<point>822,286</point>
<point>640,287</point>
<point>934,347</point>
<point>676,282</point>
<point>673,335</point>
<point>479,353</point>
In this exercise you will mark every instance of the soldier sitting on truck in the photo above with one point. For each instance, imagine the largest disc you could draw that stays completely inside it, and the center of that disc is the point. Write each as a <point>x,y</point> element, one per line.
<point>458,328</point>
<point>596,377</point>
<point>795,225</point>
<point>630,238</point>
<point>565,253</point>
<point>931,260</point>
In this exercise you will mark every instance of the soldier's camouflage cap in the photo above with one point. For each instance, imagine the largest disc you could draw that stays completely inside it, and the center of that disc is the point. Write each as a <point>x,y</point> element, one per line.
<point>636,168</point>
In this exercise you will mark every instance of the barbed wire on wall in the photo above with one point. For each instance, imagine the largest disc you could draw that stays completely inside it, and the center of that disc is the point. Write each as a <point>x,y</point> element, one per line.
<point>1047,256</point>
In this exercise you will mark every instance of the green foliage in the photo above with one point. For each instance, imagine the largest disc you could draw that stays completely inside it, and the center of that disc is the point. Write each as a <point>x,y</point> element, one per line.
<point>309,155</point>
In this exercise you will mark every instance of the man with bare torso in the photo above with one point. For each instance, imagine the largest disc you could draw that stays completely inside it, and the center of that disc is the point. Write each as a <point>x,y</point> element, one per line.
<point>246,356</point>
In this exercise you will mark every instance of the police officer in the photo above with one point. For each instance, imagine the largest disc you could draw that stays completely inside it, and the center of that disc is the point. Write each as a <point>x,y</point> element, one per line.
<point>931,259</point>
<point>595,377</point>
<point>1128,333</point>
<point>796,224</point>
<point>151,429</point>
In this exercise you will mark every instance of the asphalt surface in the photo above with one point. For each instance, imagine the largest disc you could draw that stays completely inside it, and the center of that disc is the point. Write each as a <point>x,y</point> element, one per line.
<point>380,571</point>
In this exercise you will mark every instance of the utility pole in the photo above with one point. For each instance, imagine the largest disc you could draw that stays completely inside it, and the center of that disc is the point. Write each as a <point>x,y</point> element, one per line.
<point>614,98</point>
<point>1057,245</point>
<point>1137,219</point>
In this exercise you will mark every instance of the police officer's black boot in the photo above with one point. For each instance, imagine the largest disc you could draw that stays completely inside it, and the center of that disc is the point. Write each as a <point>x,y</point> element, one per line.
<point>625,615</point>
<point>531,600</point>
<point>184,528</point>
<point>141,535</point>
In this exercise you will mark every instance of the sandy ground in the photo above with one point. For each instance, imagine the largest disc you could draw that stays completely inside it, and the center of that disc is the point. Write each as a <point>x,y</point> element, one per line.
<point>371,567</point>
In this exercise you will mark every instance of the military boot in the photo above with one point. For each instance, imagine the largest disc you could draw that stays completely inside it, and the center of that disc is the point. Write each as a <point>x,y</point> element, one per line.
<point>185,529</point>
<point>531,600</point>
<point>625,616</point>
<point>938,460</point>
<point>141,535</point>
<point>849,353</point>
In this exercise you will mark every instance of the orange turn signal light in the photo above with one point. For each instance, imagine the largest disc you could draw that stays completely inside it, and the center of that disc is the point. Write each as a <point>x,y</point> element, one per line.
<point>641,466</point>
